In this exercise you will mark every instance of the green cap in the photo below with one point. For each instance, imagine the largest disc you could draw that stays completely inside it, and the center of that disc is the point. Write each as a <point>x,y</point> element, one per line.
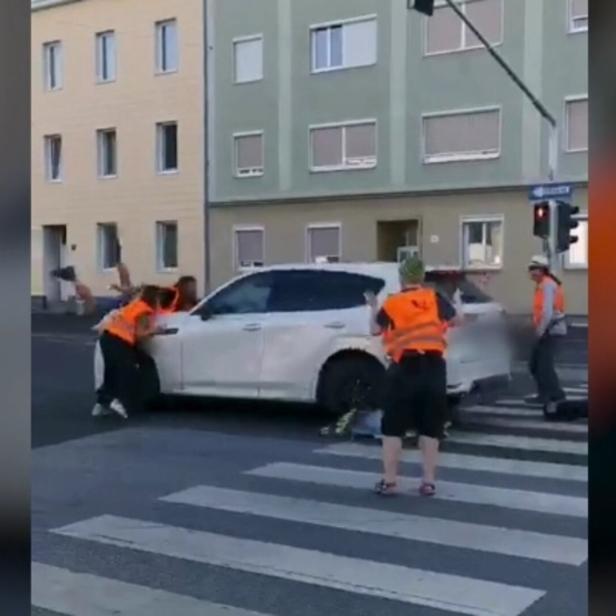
<point>412,270</point>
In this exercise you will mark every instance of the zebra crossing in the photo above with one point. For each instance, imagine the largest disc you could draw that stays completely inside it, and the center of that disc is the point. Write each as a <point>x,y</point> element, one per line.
<point>501,536</point>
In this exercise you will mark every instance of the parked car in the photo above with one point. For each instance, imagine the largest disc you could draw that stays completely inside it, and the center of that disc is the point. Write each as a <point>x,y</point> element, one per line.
<point>300,333</point>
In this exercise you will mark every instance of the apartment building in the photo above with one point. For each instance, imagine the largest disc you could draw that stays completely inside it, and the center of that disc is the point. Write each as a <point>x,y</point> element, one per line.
<point>359,130</point>
<point>117,141</point>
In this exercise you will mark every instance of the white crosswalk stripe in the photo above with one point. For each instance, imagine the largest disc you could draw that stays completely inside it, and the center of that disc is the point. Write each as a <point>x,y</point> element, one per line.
<point>512,542</point>
<point>461,492</point>
<point>81,594</point>
<point>505,466</point>
<point>452,593</point>
<point>519,442</point>
<point>538,425</point>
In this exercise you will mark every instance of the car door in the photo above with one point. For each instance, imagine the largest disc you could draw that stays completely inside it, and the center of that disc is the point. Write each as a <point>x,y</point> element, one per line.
<point>222,340</point>
<point>309,311</point>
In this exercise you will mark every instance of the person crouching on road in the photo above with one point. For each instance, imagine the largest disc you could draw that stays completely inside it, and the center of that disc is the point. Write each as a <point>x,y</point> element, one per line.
<point>413,325</point>
<point>123,333</point>
<point>550,326</point>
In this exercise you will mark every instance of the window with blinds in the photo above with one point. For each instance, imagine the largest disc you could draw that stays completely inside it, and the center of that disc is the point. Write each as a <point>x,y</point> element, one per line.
<point>343,146</point>
<point>249,248</point>
<point>323,244</point>
<point>248,59</point>
<point>248,154</point>
<point>576,125</point>
<point>578,15</point>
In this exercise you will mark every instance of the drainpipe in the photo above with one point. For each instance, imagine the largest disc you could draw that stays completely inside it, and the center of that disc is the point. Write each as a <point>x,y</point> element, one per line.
<point>206,150</point>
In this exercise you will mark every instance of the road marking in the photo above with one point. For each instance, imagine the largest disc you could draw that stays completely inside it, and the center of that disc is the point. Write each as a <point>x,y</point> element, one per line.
<point>503,410</point>
<point>512,422</point>
<point>453,593</point>
<point>83,594</point>
<point>505,466</point>
<point>555,504</point>
<point>527,443</point>
<point>576,390</point>
<point>511,542</point>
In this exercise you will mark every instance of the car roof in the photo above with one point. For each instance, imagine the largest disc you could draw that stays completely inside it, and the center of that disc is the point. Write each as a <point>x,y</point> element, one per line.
<point>373,268</point>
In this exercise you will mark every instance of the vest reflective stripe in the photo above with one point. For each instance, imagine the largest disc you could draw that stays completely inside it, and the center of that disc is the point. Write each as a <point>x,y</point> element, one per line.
<point>124,324</point>
<point>416,324</point>
<point>539,299</point>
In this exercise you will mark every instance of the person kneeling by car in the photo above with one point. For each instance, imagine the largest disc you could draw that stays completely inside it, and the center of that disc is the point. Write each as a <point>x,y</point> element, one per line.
<point>413,325</point>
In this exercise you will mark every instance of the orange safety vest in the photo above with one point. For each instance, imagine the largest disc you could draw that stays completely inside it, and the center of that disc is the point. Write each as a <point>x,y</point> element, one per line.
<point>538,301</point>
<point>416,323</point>
<point>124,324</point>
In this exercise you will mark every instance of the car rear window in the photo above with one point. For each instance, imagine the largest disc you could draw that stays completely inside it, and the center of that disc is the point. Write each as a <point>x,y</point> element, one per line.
<point>448,284</point>
<point>317,290</point>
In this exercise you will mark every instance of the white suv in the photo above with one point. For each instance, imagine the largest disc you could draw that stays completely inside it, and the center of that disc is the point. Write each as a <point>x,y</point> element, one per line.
<point>301,333</point>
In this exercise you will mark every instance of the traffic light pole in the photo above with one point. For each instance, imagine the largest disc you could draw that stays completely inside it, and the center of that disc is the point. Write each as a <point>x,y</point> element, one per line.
<point>553,146</point>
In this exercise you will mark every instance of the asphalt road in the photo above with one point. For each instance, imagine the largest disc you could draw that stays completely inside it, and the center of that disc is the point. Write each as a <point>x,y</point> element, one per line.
<point>238,509</point>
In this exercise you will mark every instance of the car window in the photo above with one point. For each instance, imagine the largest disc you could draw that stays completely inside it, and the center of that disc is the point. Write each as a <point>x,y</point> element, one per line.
<point>249,295</point>
<point>448,284</point>
<point>317,290</point>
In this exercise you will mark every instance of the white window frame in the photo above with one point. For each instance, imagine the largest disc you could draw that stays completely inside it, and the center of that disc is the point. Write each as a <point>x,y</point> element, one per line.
<point>100,142</point>
<point>160,266</point>
<point>571,28</point>
<point>253,172</point>
<point>322,225</point>
<point>158,29</point>
<point>571,99</point>
<point>583,216</point>
<point>100,245</point>
<point>464,47</point>
<point>59,66</point>
<point>47,154</point>
<point>237,267</point>
<point>160,149</point>
<point>487,218</point>
<point>247,39</point>
<point>100,36</point>
<point>460,156</point>
<point>343,166</point>
<point>342,23</point>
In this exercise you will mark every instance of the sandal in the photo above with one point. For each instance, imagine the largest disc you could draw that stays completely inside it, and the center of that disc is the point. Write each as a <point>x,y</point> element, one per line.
<point>385,488</point>
<point>427,489</point>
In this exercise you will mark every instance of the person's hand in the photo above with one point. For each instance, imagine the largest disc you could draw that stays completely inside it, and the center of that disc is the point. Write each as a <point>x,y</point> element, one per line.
<point>370,299</point>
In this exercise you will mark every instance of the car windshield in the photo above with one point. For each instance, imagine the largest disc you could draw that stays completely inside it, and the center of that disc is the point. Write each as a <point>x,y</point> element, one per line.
<point>448,283</point>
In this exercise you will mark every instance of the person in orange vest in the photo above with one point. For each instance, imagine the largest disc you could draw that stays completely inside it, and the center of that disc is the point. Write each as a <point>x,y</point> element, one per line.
<point>550,326</point>
<point>122,334</point>
<point>413,326</point>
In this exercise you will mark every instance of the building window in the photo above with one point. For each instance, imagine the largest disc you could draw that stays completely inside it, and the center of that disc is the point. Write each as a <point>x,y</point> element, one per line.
<point>167,245</point>
<point>105,57</point>
<point>482,243</point>
<point>52,53</point>
<point>578,15</point>
<point>108,246</point>
<point>249,247</point>
<point>107,153</point>
<point>343,146</point>
<point>344,45</point>
<point>167,147</point>
<point>248,154</point>
<point>53,158</point>
<point>248,59</point>
<point>323,244</point>
<point>577,255</point>
<point>167,46</point>
<point>460,136</point>
<point>576,124</point>
<point>446,32</point>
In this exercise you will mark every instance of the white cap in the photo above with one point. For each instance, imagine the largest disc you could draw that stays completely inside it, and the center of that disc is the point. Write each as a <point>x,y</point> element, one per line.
<point>539,261</point>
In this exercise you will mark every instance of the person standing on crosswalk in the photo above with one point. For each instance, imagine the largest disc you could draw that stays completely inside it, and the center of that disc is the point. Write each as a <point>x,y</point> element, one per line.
<point>550,326</point>
<point>413,325</point>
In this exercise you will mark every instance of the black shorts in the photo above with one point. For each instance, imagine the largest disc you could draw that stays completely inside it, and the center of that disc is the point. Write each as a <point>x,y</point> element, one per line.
<point>416,396</point>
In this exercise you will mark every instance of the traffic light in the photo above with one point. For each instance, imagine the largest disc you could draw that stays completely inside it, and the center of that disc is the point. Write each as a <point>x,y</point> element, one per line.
<point>423,6</point>
<point>541,221</point>
<point>566,222</point>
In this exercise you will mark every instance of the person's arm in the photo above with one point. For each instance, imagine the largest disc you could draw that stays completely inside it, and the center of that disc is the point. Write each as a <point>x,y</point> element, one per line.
<point>379,319</point>
<point>145,327</point>
<point>549,293</point>
<point>447,313</point>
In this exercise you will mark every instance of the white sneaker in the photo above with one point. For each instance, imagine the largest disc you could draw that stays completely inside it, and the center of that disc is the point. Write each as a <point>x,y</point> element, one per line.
<point>118,408</point>
<point>100,410</point>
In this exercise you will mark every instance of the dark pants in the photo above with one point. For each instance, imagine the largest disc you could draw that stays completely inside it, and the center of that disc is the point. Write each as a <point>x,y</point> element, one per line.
<point>121,377</point>
<point>416,396</point>
<point>542,368</point>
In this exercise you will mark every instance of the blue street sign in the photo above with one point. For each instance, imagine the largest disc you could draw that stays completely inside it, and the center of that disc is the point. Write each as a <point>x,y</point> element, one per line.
<point>550,191</point>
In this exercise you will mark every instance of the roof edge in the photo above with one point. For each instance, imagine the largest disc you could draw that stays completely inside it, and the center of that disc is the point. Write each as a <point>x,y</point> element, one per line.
<point>38,5</point>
